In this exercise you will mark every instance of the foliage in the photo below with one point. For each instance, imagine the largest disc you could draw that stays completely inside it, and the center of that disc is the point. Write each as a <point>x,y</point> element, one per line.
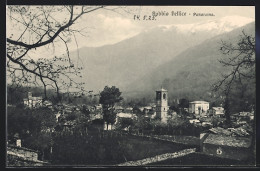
<point>159,127</point>
<point>71,116</point>
<point>174,108</point>
<point>34,126</point>
<point>92,148</point>
<point>85,110</point>
<point>106,148</point>
<point>16,93</point>
<point>177,125</point>
<point>124,123</point>
<point>137,111</point>
<point>184,103</point>
<point>18,121</point>
<point>108,98</point>
<point>174,126</point>
<point>142,124</point>
<point>82,123</point>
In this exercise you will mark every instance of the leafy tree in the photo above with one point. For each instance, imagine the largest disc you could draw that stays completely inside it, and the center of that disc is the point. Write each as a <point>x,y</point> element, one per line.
<point>82,123</point>
<point>174,108</point>
<point>18,121</point>
<point>108,98</point>
<point>216,103</point>
<point>142,123</point>
<point>15,94</point>
<point>125,122</point>
<point>34,126</point>
<point>70,117</point>
<point>158,126</point>
<point>177,125</point>
<point>184,103</point>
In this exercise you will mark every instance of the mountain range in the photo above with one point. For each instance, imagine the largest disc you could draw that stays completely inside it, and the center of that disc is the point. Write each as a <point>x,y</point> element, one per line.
<point>191,73</point>
<point>181,58</point>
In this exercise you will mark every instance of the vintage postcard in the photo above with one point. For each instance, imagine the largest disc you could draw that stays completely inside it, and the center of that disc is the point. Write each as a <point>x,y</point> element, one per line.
<point>146,86</point>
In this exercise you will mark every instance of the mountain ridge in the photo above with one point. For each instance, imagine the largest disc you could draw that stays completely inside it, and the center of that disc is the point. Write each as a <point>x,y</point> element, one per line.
<point>184,66</point>
<point>127,61</point>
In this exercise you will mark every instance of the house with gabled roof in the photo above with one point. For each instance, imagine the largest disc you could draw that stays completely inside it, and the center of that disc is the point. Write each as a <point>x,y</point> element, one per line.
<point>230,147</point>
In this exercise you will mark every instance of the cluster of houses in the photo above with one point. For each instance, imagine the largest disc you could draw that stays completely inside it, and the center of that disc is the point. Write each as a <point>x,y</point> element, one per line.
<point>227,143</point>
<point>200,113</point>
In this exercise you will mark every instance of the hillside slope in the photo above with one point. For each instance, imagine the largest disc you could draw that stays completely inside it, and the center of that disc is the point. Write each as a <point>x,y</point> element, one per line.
<point>191,73</point>
<point>124,63</point>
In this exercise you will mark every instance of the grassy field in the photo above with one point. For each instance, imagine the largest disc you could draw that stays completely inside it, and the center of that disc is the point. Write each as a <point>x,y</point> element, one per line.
<point>109,149</point>
<point>197,159</point>
<point>189,140</point>
<point>112,148</point>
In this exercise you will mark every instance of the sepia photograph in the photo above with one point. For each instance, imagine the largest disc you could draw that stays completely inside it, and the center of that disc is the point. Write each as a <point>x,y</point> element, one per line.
<point>123,86</point>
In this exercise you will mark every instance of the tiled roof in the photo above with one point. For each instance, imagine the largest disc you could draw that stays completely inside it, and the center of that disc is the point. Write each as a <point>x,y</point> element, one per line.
<point>199,102</point>
<point>219,130</point>
<point>218,108</point>
<point>228,141</point>
<point>35,98</point>
<point>148,107</point>
<point>124,115</point>
<point>162,89</point>
<point>119,108</point>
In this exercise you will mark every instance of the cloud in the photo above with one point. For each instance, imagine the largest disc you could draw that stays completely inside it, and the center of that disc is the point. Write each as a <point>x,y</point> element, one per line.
<point>110,30</point>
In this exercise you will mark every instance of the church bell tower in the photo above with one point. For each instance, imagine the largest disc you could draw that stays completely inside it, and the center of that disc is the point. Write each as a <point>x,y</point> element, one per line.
<point>162,104</point>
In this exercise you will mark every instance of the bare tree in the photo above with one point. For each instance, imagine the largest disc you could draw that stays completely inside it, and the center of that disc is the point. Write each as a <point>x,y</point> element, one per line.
<point>240,58</point>
<point>37,27</point>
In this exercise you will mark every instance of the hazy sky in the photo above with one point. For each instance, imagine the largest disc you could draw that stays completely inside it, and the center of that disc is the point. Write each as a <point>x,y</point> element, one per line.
<point>110,27</point>
<point>103,27</point>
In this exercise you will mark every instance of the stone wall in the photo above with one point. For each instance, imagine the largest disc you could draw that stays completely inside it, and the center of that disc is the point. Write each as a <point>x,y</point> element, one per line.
<point>19,156</point>
<point>15,161</point>
<point>22,152</point>
<point>159,158</point>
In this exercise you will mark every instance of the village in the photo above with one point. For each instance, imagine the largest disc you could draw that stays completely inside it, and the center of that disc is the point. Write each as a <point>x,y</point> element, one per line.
<point>134,85</point>
<point>211,137</point>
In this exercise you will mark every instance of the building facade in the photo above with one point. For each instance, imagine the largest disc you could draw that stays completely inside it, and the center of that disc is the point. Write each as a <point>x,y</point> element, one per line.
<point>230,147</point>
<point>218,111</point>
<point>32,102</point>
<point>162,104</point>
<point>198,107</point>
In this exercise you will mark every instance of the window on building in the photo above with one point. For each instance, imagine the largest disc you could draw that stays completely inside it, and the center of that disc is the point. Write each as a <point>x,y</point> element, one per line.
<point>158,95</point>
<point>164,96</point>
